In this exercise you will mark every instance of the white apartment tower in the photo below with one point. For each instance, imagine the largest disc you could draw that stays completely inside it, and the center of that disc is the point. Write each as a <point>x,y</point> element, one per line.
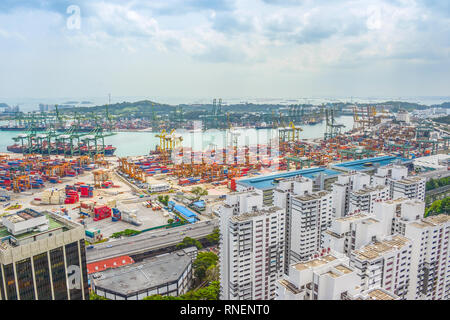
<point>385,264</point>
<point>363,200</point>
<point>430,271</point>
<point>252,247</point>
<point>341,189</point>
<point>352,232</point>
<point>327,277</point>
<point>309,215</point>
<point>400,184</point>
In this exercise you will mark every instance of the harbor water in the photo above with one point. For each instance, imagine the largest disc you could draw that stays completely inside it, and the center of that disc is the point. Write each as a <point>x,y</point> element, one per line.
<point>140,143</point>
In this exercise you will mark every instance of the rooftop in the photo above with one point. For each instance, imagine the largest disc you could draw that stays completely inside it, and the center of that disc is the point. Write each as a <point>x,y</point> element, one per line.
<point>267,182</point>
<point>373,251</point>
<point>352,217</point>
<point>378,294</point>
<point>314,263</point>
<point>312,196</point>
<point>259,212</point>
<point>410,180</point>
<point>150,273</point>
<point>431,221</point>
<point>55,222</point>
<point>367,190</point>
<point>289,286</point>
<point>368,164</point>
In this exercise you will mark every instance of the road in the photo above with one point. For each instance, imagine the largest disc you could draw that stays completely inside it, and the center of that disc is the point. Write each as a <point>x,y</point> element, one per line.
<point>150,240</point>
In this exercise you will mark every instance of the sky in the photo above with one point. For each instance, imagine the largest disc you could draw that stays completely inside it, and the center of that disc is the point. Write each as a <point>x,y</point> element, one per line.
<point>230,48</point>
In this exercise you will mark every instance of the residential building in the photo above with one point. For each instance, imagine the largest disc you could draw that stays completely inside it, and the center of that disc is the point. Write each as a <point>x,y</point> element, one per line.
<point>430,271</point>
<point>324,277</point>
<point>341,189</point>
<point>310,215</point>
<point>252,247</point>
<point>363,200</point>
<point>384,264</point>
<point>352,232</point>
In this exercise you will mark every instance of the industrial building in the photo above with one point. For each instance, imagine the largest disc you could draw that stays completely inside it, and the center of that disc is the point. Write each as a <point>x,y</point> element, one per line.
<point>369,165</point>
<point>42,257</point>
<point>169,274</point>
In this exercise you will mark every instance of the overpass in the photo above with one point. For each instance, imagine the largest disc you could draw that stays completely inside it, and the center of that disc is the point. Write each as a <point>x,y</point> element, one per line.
<point>151,240</point>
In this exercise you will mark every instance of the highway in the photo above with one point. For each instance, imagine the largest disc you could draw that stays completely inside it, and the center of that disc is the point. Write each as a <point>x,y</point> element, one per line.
<point>150,240</point>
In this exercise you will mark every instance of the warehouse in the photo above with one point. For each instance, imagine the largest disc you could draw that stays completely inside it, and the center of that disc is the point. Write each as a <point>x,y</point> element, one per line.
<point>168,275</point>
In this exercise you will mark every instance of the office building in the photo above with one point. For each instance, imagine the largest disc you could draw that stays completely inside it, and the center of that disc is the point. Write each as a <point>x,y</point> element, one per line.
<point>42,257</point>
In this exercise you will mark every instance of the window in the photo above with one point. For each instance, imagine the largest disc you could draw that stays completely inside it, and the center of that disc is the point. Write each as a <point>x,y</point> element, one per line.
<point>42,275</point>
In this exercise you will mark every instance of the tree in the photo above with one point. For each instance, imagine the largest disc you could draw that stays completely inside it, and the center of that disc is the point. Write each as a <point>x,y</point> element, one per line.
<point>438,207</point>
<point>203,261</point>
<point>210,292</point>
<point>199,191</point>
<point>94,296</point>
<point>212,273</point>
<point>188,242</point>
<point>214,237</point>
<point>170,221</point>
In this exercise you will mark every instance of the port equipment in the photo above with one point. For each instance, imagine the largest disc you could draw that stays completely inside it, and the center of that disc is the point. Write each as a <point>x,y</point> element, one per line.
<point>332,128</point>
<point>356,153</point>
<point>100,176</point>
<point>217,118</point>
<point>301,160</point>
<point>403,147</point>
<point>423,131</point>
<point>21,183</point>
<point>289,134</point>
<point>423,144</point>
<point>364,117</point>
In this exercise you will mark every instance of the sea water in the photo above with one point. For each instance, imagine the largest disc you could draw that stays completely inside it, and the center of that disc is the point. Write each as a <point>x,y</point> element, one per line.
<point>140,143</point>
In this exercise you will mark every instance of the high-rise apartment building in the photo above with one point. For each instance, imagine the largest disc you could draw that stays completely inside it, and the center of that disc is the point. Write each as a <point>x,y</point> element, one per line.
<point>341,189</point>
<point>430,270</point>
<point>252,247</point>
<point>352,232</point>
<point>384,264</point>
<point>363,200</point>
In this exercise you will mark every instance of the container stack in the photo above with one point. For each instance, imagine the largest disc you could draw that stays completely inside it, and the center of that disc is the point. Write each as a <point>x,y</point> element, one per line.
<point>116,215</point>
<point>71,195</point>
<point>101,212</point>
<point>86,191</point>
<point>53,196</point>
<point>87,208</point>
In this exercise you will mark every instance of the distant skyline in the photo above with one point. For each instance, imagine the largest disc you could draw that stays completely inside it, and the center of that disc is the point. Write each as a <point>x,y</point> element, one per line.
<point>196,49</point>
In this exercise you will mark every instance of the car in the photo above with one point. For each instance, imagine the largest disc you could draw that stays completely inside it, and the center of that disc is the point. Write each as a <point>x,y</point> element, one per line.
<point>109,246</point>
<point>90,247</point>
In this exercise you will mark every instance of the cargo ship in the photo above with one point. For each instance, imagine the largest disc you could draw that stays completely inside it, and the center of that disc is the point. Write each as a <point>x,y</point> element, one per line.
<point>54,148</point>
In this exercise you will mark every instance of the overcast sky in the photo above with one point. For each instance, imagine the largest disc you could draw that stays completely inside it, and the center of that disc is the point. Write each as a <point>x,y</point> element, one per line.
<point>212,48</point>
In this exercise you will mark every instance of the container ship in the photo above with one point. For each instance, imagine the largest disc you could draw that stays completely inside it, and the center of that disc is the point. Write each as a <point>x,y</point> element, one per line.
<point>53,148</point>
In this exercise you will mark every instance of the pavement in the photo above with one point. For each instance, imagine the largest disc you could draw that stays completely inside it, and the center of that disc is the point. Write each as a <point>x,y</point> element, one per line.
<point>149,240</point>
